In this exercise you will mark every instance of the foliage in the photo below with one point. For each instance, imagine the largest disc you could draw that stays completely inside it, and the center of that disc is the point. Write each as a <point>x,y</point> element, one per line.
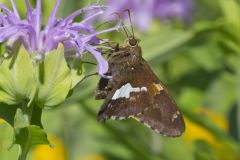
<point>199,64</point>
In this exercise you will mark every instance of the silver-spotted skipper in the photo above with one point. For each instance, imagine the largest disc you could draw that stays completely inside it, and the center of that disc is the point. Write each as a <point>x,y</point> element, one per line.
<point>134,91</point>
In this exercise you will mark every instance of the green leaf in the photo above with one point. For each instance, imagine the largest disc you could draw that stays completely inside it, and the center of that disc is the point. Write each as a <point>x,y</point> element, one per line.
<point>231,44</point>
<point>209,58</point>
<point>54,79</point>
<point>8,112</point>
<point>184,153</point>
<point>180,66</point>
<point>26,116</point>
<point>7,152</point>
<point>221,93</point>
<point>190,98</point>
<point>231,11</point>
<point>27,123</point>
<point>28,137</point>
<point>2,1</point>
<point>76,72</point>
<point>17,78</point>
<point>203,151</point>
<point>21,119</point>
<point>163,42</point>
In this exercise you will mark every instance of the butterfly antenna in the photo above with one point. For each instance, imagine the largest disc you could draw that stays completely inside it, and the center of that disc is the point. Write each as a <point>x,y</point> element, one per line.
<point>104,23</point>
<point>125,29</point>
<point>130,19</point>
<point>127,32</point>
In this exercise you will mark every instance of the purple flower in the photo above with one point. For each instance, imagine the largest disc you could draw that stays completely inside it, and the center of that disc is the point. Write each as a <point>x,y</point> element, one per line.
<point>168,9</point>
<point>143,11</point>
<point>79,35</point>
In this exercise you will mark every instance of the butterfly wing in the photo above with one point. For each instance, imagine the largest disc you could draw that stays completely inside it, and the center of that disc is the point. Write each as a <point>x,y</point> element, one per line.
<point>135,91</point>
<point>163,117</point>
<point>125,98</point>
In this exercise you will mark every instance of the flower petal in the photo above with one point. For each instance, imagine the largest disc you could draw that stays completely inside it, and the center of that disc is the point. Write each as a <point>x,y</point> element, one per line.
<point>38,18</point>
<point>15,9</point>
<point>76,36</point>
<point>51,20</point>
<point>102,66</point>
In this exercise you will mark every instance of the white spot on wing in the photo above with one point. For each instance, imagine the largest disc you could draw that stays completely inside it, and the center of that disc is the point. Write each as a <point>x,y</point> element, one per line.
<point>122,118</point>
<point>117,118</point>
<point>175,116</point>
<point>113,117</point>
<point>125,90</point>
<point>144,89</point>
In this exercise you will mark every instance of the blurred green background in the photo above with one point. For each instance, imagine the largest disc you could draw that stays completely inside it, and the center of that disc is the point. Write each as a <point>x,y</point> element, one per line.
<point>199,64</point>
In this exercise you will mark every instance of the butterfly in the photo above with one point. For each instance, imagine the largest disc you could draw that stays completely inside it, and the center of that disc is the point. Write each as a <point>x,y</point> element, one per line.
<point>134,91</point>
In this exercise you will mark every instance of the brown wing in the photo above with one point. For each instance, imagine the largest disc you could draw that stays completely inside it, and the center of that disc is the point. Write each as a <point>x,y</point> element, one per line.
<point>163,117</point>
<point>124,107</point>
<point>155,108</point>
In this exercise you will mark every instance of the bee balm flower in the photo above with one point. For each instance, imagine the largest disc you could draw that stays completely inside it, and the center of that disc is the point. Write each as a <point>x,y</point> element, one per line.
<point>144,11</point>
<point>77,35</point>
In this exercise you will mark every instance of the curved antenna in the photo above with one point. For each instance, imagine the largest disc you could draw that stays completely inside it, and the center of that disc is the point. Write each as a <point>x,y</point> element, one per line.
<point>100,25</point>
<point>127,32</point>
<point>130,19</point>
<point>125,29</point>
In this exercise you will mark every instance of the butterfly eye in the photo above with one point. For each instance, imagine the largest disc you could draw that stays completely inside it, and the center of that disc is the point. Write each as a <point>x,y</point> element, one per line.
<point>133,42</point>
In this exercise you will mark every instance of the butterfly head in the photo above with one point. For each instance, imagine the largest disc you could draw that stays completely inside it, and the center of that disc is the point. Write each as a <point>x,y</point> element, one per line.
<point>131,42</point>
<point>131,45</point>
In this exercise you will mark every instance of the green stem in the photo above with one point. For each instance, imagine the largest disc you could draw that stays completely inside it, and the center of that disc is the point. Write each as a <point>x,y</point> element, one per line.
<point>23,152</point>
<point>238,86</point>
<point>238,102</point>
<point>238,119</point>
<point>27,111</point>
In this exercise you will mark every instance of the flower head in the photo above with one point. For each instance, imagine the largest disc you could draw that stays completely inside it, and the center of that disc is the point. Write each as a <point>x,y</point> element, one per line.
<point>79,35</point>
<point>144,11</point>
<point>167,9</point>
